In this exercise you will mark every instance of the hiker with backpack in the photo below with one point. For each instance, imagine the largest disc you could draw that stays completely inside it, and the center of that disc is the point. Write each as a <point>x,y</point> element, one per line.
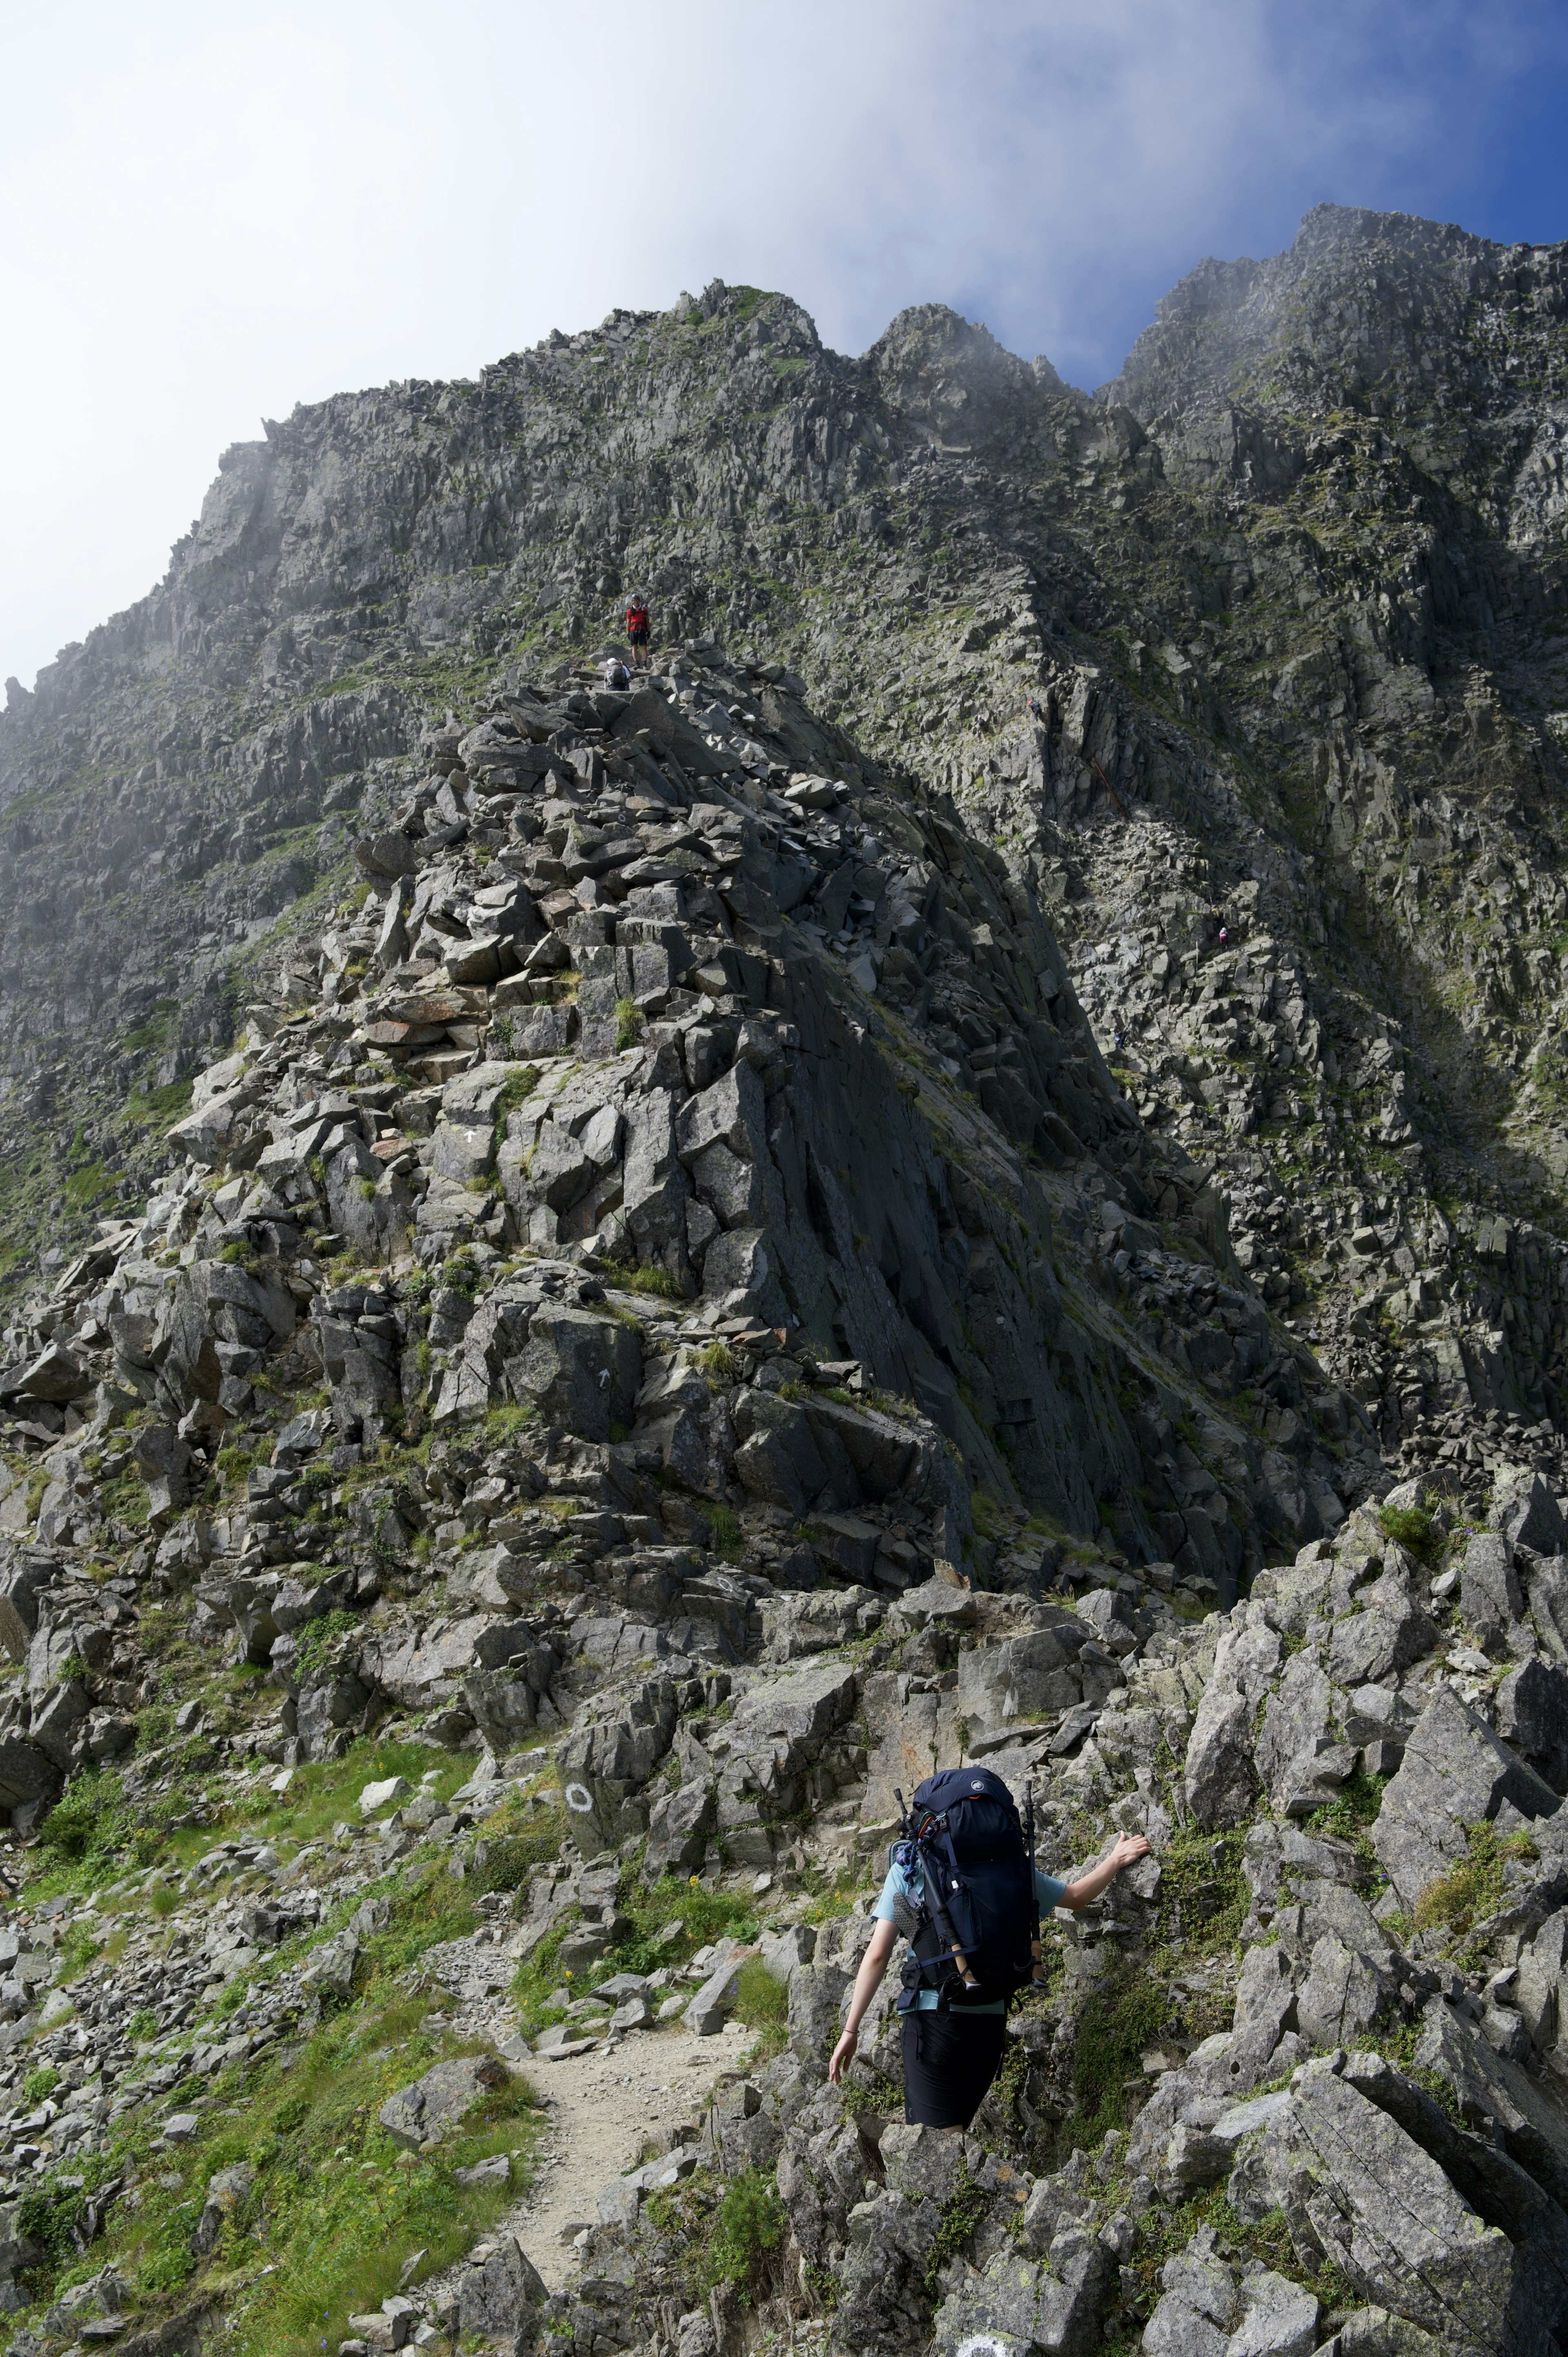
<point>964,1889</point>
<point>636,628</point>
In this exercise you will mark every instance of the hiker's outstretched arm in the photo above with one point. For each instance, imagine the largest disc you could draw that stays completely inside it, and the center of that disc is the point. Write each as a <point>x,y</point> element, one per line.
<point>867,1981</point>
<point>1088,1888</point>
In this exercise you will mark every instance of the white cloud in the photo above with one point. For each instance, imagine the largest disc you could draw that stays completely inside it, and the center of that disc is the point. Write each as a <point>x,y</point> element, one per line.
<point>209,216</point>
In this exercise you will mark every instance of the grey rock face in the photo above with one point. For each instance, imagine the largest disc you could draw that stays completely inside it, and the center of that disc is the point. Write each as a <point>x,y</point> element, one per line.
<point>1357,2188</point>
<point>1221,1782</point>
<point>1032,2308</point>
<point>1454,1773</point>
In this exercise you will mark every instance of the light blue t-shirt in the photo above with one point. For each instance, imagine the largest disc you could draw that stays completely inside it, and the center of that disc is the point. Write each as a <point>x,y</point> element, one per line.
<point>899,1885</point>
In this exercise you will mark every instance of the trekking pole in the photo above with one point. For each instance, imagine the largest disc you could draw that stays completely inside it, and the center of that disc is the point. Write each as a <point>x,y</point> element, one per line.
<point>1038,1975</point>
<point>944,1923</point>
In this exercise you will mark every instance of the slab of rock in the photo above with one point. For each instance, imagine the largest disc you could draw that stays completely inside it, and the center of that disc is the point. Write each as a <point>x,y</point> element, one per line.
<point>709,2010</point>
<point>497,2288</point>
<point>1356,2188</point>
<point>1220,1780</point>
<point>1028,2309</point>
<point>783,1952</point>
<point>1490,1595</point>
<point>1279,2318</point>
<point>384,1794</point>
<point>1526,1512</point>
<point>1344,1995</point>
<point>1531,1705</point>
<point>447,2092</point>
<point>1197,2306</point>
<point>1455,1771</point>
<point>1383,1634</point>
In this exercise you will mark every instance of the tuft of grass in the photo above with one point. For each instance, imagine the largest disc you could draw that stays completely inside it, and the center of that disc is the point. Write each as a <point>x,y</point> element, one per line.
<point>719,1363</point>
<point>1354,1808</point>
<point>1413,1527</point>
<point>1122,2017</point>
<point>648,1278</point>
<point>762,2003</point>
<point>752,2220</point>
<point>318,1635</point>
<point>510,1855</point>
<point>728,1541</point>
<point>1203,1891</point>
<point>629,1023</point>
<point>1474,1888</point>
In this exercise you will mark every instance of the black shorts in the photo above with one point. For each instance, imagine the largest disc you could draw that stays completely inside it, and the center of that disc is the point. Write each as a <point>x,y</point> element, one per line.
<point>637,638</point>
<point>950,2061</point>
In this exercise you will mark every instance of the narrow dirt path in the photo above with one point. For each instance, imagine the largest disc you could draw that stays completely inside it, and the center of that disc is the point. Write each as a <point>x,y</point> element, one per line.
<point>602,2107</point>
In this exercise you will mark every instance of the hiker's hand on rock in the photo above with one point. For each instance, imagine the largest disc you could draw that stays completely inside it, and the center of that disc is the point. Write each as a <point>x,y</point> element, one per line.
<point>842,2053</point>
<point>1129,1849</point>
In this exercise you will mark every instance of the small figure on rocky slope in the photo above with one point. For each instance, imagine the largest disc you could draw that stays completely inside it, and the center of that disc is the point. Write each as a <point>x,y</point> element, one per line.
<point>964,1889</point>
<point>637,630</point>
<point>616,673</point>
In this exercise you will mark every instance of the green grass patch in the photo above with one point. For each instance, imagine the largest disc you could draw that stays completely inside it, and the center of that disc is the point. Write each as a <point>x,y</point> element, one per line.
<point>962,2210</point>
<point>729,1542</point>
<point>1122,2017</point>
<point>333,2214</point>
<point>1203,1891</point>
<point>648,1277</point>
<point>721,2236</point>
<point>1348,1816</point>
<point>762,2003</point>
<point>629,1023</point>
<point>1474,1888</point>
<point>1414,1529</point>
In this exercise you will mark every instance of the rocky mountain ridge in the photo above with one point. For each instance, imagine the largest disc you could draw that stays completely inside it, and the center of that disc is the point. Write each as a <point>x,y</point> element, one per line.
<point>707,1247</point>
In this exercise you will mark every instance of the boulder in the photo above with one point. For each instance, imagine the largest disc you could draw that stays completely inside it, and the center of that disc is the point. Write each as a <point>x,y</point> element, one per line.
<point>1454,1773</point>
<point>386,858</point>
<point>1532,1707</point>
<point>1383,1633</point>
<point>1295,1730</point>
<point>163,1459</point>
<point>1344,1995</point>
<point>582,1370</point>
<point>28,1777</point>
<point>679,1826</point>
<point>496,2288</point>
<point>1489,1594</point>
<point>1220,1782</point>
<point>227,2193</point>
<point>1026,2308</point>
<point>448,2092</point>
<point>1198,2307</point>
<point>53,1376</point>
<point>1528,1514</point>
<point>1357,2190</point>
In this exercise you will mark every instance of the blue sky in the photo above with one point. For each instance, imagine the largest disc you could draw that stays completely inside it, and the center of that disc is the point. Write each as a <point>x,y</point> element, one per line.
<point>211,213</point>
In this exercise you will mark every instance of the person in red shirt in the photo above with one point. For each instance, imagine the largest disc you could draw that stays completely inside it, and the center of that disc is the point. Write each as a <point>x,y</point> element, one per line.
<point>637,630</point>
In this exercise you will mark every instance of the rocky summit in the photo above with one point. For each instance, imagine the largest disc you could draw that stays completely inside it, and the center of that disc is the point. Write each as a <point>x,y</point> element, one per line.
<point>597,1277</point>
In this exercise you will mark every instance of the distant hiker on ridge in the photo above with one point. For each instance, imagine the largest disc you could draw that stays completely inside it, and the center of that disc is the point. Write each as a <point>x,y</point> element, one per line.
<point>637,630</point>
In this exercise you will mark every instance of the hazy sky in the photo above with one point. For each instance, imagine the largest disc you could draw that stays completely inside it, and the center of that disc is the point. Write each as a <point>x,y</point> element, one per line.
<point>208,214</point>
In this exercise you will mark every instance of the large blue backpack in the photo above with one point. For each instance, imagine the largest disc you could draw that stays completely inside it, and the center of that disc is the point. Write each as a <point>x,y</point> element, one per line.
<point>976,1932</point>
